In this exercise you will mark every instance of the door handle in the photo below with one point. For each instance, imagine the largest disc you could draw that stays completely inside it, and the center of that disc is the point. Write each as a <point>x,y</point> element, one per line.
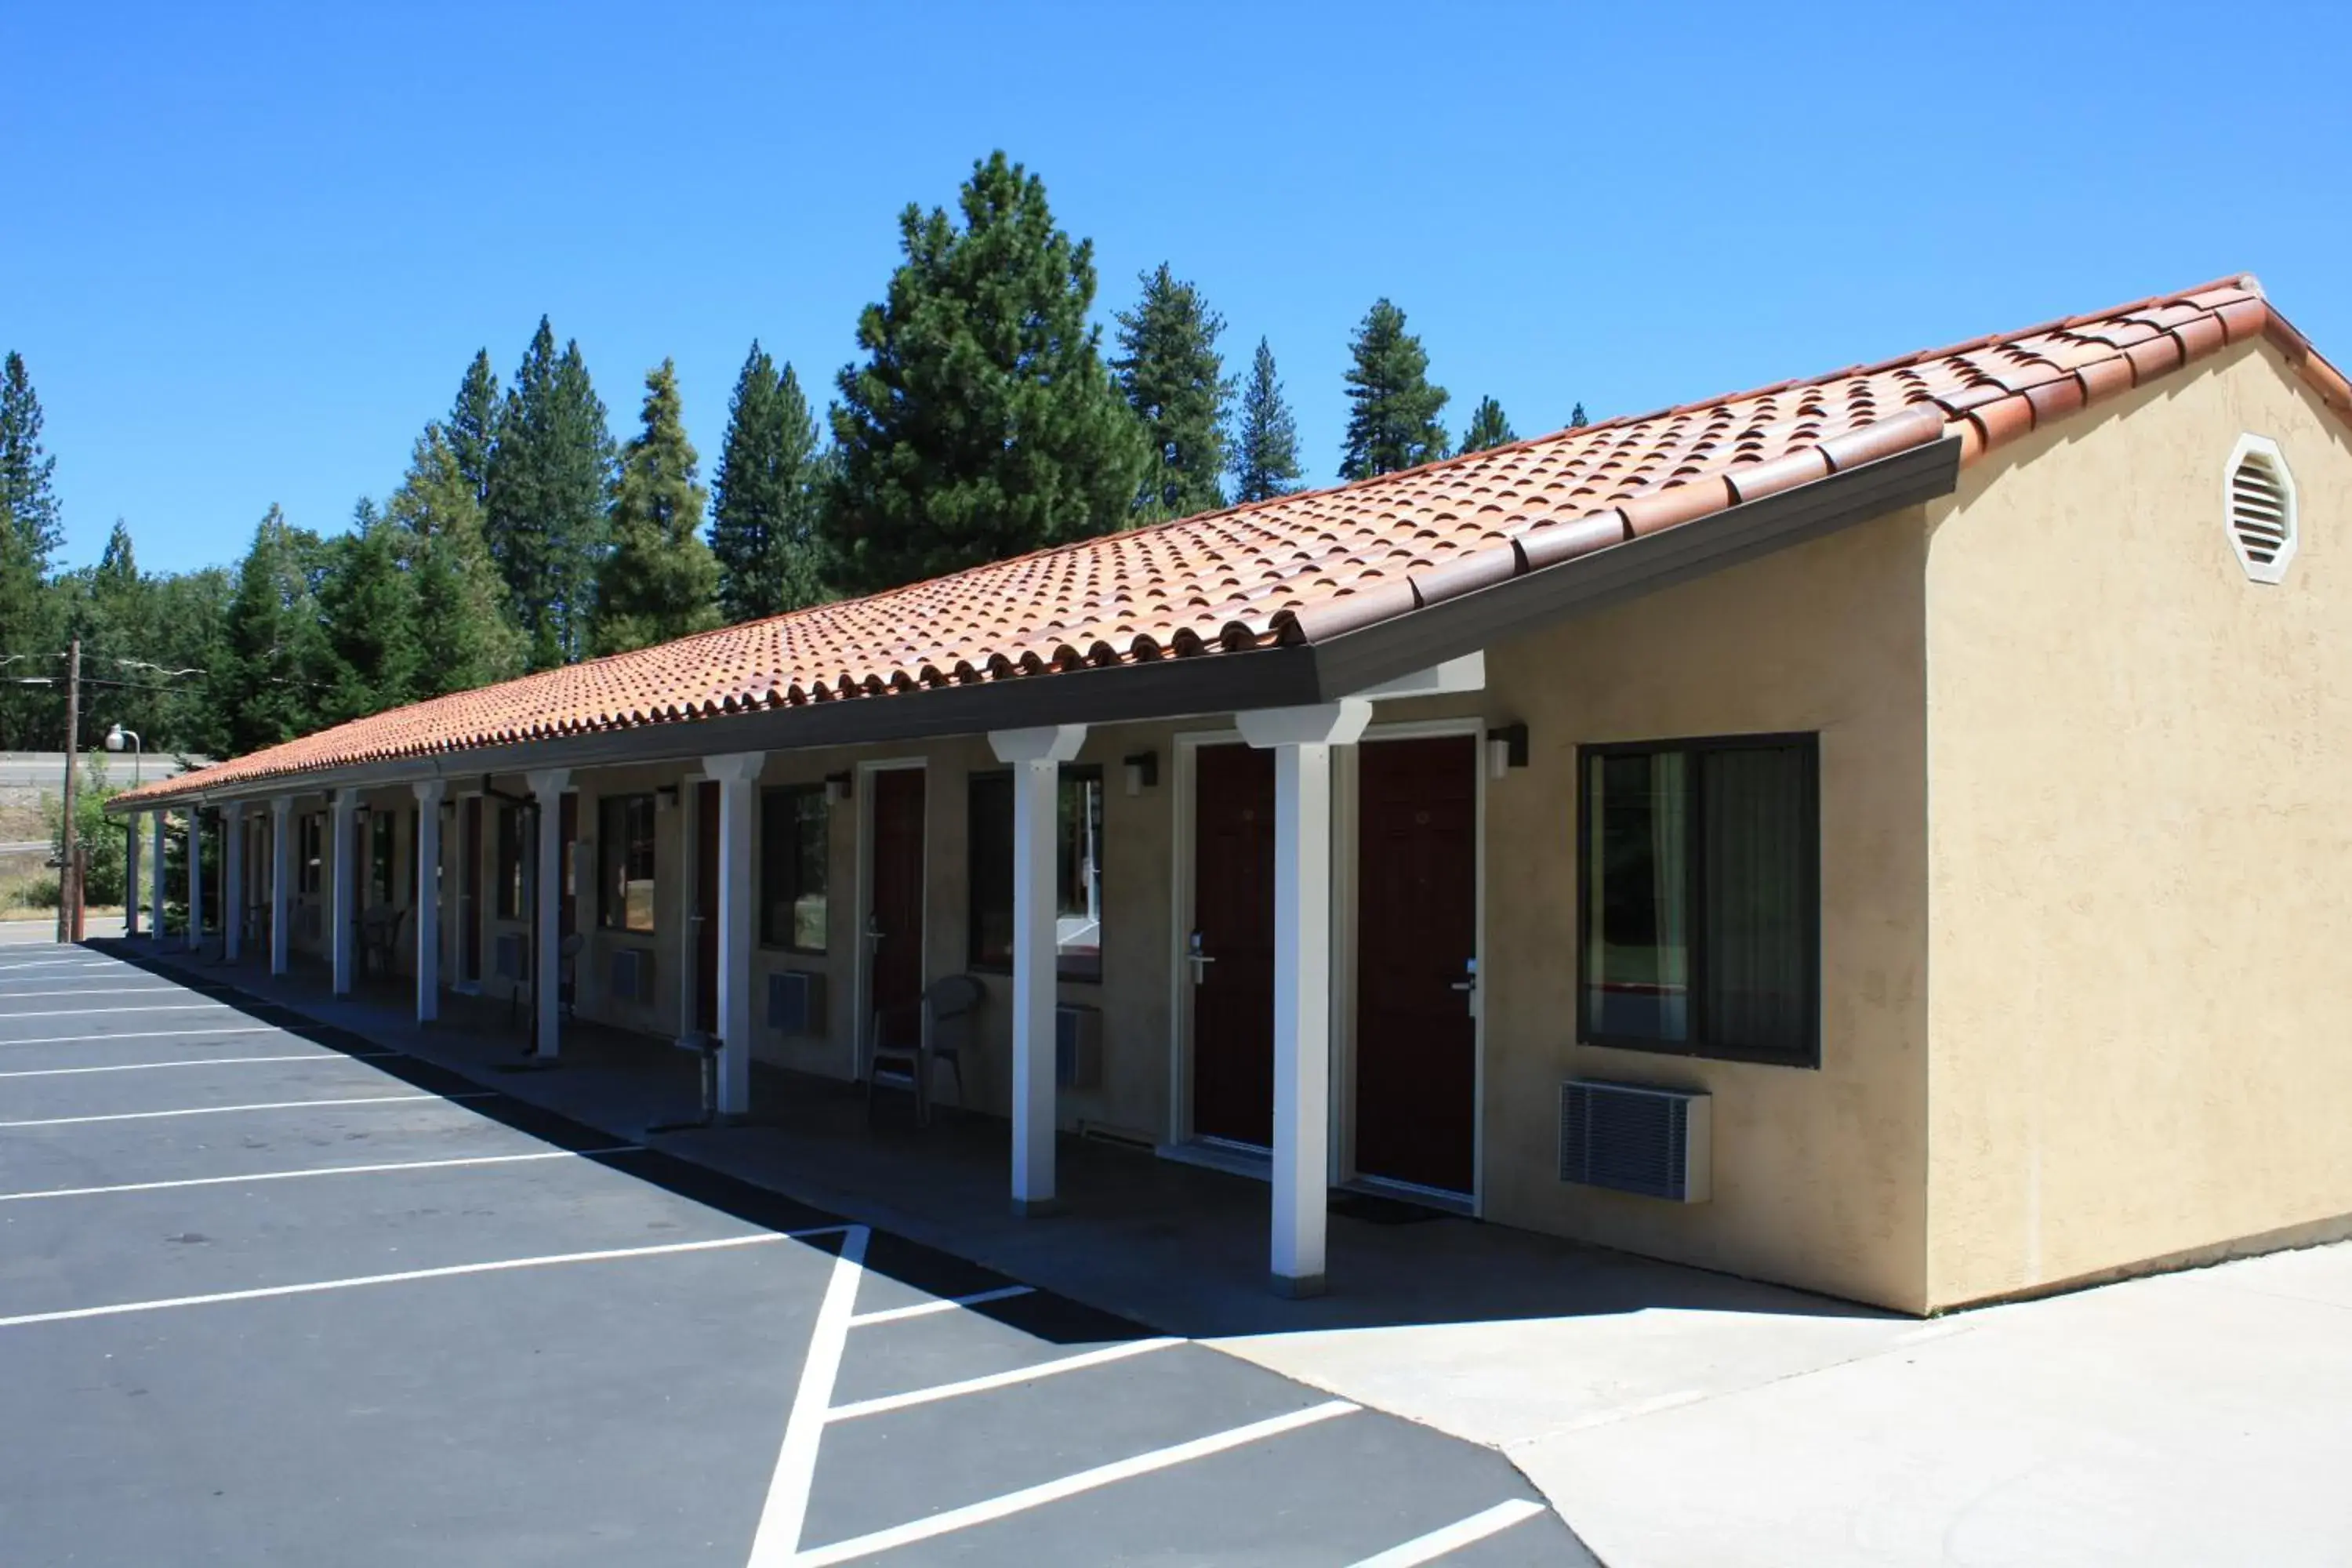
<point>1199,960</point>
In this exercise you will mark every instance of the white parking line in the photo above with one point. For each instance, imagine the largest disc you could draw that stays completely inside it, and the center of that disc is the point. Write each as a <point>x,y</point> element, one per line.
<point>265,1105</point>
<point>925,1309</point>
<point>781,1516</point>
<point>207,1062</point>
<point>964,1518</point>
<point>320,1170</point>
<point>504,1264</point>
<point>87,990</point>
<point>86,1012</point>
<point>1454,1537</point>
<point>1019,1374</point>
<point>140,1035</point>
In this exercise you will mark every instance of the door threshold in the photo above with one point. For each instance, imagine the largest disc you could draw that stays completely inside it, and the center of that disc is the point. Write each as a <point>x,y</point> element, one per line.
<point>1217,1154</point>
<point>1438,1198</point>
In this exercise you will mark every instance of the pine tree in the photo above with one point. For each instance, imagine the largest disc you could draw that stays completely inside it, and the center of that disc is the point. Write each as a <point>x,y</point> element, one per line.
<point>1488,427</point>
<point>1392,406</point>
<point>766,496</point>
<point>367,604</point>
<point>472,431</point>
<point>265,682</point>
<point>26,467</point>
<point>982,423</point>
<point>464,637</point>
<point>1576,417</point>
<point>1265,445</point>
<point>659,582</point>
<point>117,564</point>
<point>1174,378</point>
<point>550,479</point>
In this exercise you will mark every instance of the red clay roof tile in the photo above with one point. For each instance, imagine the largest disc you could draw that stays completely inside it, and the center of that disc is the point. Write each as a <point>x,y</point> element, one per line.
<point>1307,566</point>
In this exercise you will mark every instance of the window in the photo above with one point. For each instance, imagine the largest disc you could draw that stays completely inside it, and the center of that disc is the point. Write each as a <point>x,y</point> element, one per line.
<point>314,874</point>
<point>625,862</point>
<point>1077,872</point>
<point>510,878</point>
<point>380,855</point>
<point>1699,899</point>
<point>795,841</point>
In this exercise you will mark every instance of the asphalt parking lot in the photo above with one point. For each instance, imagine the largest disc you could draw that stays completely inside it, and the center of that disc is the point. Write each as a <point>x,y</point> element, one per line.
<point>268,1294</point>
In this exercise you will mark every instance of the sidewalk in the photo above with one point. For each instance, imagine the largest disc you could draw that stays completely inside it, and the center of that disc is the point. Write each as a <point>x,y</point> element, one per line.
<point>1676,1418</point>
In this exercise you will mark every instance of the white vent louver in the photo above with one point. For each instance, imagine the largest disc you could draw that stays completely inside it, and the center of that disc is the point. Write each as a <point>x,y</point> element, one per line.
<point>2259,494</point>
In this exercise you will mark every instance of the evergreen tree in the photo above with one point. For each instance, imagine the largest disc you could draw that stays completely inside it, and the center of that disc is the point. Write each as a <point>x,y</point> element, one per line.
<point>464,636</point>
<point>24,645</point>
<point>659,582</point>
<point>472,432</point>
<point>1392,406</point>
<point>367,604</point>
<point>982,423</point>
<point>272,654</point>
<point>1265,447</point>
<point>550,477</point>
<point>1174,378</point>
<point>1576,417</point>
<point>117,565</point>
<point>1488,427</point>
<point>766,495</point>
<point>26,467</point>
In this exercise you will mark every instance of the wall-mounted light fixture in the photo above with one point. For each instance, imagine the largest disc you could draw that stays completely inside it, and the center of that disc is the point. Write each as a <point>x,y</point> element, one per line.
<point>836,788</point>
<point>1142,770</point>
<point>1507,748</point>
<point>665,797</point>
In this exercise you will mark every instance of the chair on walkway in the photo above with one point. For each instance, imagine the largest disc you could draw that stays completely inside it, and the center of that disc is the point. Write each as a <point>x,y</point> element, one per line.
<point>914,1037</point>
<point>380,939</point>
<point>567,968</point>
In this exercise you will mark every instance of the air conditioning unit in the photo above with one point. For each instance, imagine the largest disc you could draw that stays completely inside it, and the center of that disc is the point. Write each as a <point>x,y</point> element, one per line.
<point>796,1002</point>
<point>1078,1047</point>
<point>509,955</point>
<point>632,975</point>
<point>1636,1138</point>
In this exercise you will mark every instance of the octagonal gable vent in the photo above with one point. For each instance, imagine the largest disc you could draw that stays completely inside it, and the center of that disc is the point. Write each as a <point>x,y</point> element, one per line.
<point>2259,493</point>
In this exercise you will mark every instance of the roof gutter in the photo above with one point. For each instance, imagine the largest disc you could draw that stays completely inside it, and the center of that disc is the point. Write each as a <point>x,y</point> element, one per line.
<point>1338,665</point>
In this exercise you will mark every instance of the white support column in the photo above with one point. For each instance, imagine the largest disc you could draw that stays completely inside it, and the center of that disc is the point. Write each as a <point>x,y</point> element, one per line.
<point>546,786</point>
<point>195,876</point>
<point>346,867</point>
<point>428,898</point>
<point>1037,757</point>
<point>738,778</point>
<point>130,876</point>
<point>231,879</point>
<point>281,880</point>
<point>155,879</point>
<point>1301,739</point>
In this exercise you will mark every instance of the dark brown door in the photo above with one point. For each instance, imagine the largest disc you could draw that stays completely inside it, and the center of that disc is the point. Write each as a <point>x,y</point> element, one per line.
<point>470,895</point>
<point>1233,941</point>
<point>894,926</point>
<point>706,907</point>
<point>567,829</point>
<point>1416,933</point>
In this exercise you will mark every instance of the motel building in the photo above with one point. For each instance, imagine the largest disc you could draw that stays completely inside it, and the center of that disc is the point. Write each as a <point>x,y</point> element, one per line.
<point>1889,834</point>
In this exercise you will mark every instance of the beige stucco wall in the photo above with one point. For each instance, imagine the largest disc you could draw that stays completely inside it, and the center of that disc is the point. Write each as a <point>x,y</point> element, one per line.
<point>1819,1175</point>
<point>2140,769</point>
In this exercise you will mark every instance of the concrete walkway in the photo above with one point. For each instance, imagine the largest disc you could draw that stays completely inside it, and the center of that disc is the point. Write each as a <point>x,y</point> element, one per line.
<point>1678,1419</point>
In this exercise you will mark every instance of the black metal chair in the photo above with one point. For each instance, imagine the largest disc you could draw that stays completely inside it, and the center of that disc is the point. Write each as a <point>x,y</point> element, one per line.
<point>914,1037</point>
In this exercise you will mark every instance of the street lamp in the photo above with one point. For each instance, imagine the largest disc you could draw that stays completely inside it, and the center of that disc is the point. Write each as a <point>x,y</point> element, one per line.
<point>114,739</point>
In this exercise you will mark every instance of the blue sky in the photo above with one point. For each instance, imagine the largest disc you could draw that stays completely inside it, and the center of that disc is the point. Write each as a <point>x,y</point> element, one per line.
<point>249,251</point>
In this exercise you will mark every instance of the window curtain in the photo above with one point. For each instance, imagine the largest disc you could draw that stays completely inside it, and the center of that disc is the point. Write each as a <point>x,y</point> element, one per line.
<point>1756,806</point>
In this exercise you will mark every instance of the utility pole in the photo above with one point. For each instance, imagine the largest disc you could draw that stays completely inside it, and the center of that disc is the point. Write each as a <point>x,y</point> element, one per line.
<point>69,859</point>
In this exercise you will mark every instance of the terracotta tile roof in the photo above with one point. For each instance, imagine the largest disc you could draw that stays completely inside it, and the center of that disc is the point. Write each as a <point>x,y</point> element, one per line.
<point>1307,566</point>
